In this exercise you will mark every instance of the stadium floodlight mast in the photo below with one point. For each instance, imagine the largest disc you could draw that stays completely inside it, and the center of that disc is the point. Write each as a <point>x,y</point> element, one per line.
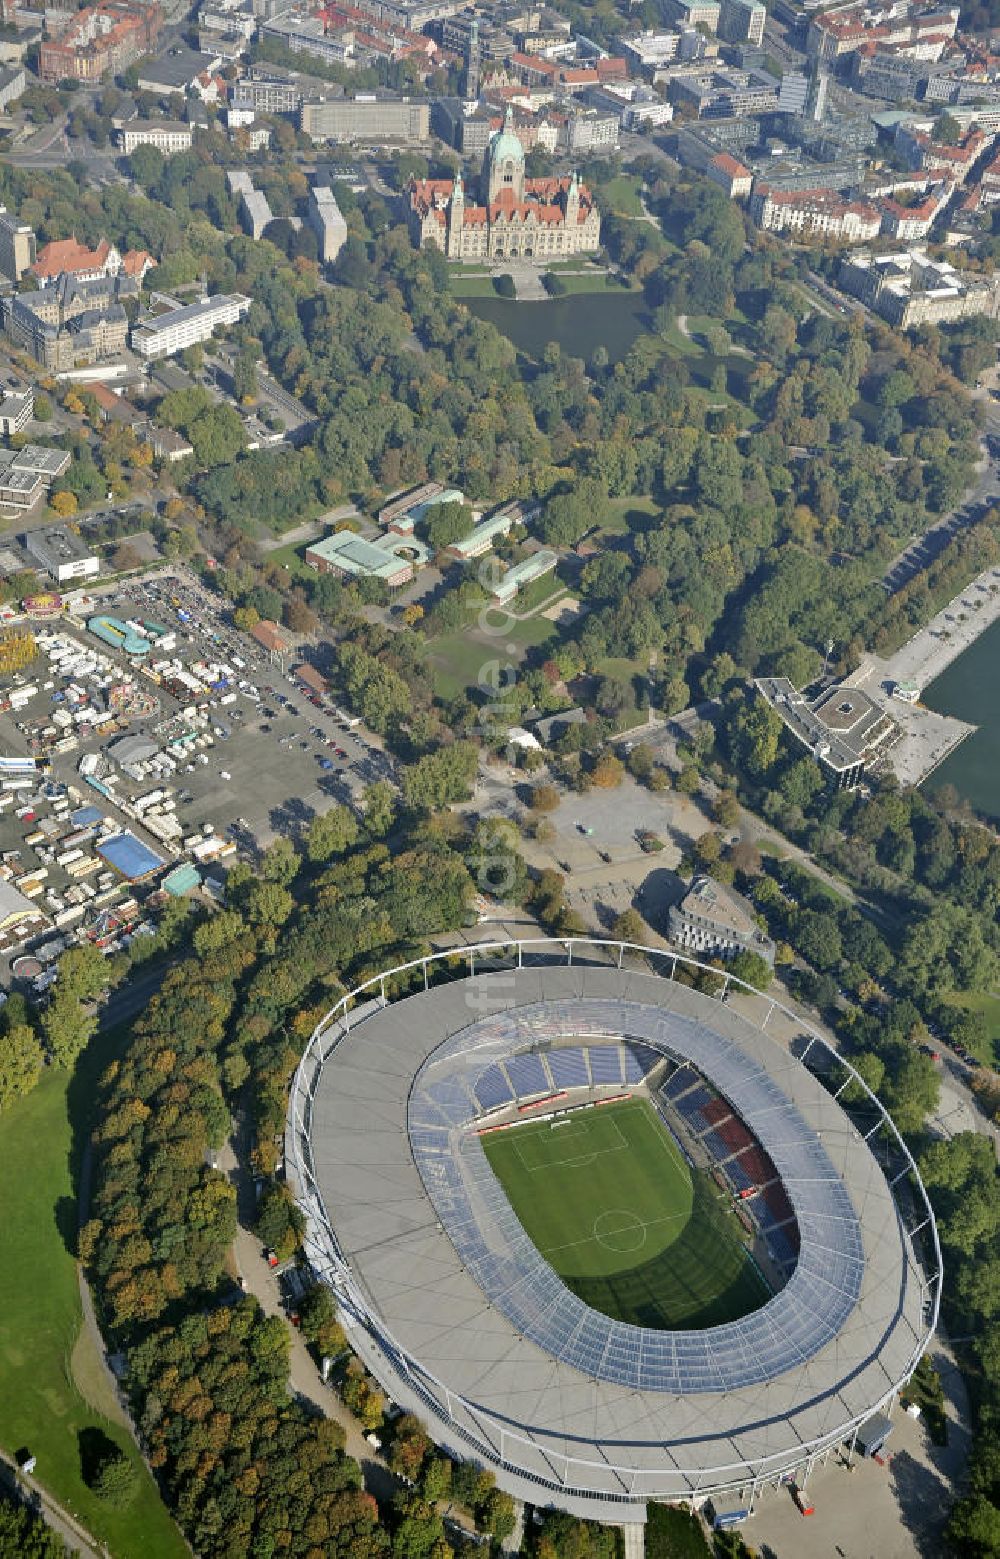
<point>735,1442</point>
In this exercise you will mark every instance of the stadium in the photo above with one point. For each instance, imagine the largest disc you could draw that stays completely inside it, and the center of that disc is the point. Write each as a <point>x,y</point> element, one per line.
<point>608,1235</point>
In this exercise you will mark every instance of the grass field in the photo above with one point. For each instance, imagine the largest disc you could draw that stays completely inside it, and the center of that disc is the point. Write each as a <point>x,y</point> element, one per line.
<point>53,1389</point>
<point>609,1201</point>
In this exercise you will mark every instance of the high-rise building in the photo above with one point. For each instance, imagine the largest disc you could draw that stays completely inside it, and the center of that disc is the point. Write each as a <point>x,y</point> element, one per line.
<point>472,65</point>
<point>742,21</point>
<point>17,246</point>
<point>816,104</point>
<point>327,222</point>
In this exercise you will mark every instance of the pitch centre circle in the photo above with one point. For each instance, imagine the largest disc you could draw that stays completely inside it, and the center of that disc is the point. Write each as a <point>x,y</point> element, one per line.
<point>619,1230</point>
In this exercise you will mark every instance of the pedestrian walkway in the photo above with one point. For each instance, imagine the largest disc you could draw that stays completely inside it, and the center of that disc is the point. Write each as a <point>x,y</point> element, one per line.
<point>30,1493</point>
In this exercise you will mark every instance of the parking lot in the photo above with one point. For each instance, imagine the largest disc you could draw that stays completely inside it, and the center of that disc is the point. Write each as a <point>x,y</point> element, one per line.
<point>147,733</point>
<point>289,756</point>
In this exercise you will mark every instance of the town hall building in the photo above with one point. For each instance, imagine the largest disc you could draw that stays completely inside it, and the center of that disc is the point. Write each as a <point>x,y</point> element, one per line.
<point>518,217</point>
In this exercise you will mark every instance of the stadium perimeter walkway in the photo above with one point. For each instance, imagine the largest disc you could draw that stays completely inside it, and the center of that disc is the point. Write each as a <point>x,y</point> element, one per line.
<point>893,1512</point>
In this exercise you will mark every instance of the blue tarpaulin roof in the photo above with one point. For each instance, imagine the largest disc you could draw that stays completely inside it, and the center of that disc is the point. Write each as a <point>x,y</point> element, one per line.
<point>84,816</point>
<point>130,856</point>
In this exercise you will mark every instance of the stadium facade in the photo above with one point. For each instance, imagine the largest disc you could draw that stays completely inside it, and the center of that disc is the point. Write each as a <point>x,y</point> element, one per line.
<point>463,1322</point>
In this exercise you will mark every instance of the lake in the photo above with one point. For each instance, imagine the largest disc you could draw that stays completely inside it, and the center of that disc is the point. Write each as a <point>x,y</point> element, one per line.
<point>580,323</point>
<point>970,690</point>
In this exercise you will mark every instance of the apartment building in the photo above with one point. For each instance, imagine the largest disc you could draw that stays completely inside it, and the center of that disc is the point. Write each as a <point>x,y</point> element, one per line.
<point>266,96</point>
<point>835,34</point>
<point>815,214</point>
<point>100,40</point>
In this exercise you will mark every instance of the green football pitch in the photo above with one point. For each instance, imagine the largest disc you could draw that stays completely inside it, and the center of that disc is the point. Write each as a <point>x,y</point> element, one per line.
<point>610,1202</point>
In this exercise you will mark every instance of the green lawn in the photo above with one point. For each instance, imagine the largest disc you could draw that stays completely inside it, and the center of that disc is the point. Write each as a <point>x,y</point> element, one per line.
<point>622,195</point>
<point>457,659</point>
<point>40,1317</point>
<point>636,513</point>
<point>609,1201</point>
<point>290,557</point>
<point>472,287</point>
<point>589,281</point>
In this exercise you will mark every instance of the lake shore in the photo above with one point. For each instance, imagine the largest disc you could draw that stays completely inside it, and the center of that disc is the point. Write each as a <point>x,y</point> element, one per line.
<point>928,737</point>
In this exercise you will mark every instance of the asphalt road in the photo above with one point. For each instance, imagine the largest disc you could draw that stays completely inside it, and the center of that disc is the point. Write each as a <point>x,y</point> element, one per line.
<point>983,495</point>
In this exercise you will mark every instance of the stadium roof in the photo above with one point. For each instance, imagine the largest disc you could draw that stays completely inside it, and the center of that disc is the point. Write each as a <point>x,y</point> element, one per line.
<point>468,1326</point>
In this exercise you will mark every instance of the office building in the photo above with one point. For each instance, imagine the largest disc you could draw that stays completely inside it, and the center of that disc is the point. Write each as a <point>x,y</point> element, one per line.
<point>716,922</point>
<point>268,95</point>
<point>694,13</point>
<point>169,136</point>
<point>61,554</point>
<point>373,118</point>
<point>17,247</point>
<point>650,52</point>
<point>72,323</point>
<point>254,208</point>
<point>742,21</point>
<point>909,288</point>
<point>16,410</point>
<point>327,222</point>
<point>844,730</point>
<point>162,335</point>
<point>723,93</point>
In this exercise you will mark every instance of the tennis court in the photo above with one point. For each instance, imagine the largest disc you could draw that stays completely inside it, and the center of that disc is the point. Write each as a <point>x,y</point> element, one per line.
<point>609,1200</point>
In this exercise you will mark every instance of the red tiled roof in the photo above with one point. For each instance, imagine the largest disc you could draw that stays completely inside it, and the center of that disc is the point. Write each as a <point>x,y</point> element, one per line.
<point>136,261</point>
<point>727,164</point>
<point>68,254</point>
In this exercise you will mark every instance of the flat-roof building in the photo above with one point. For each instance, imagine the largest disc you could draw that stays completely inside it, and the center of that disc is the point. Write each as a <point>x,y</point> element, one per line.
<point>327,222</point>
<point>367,118</point>
<point>16,410</point>
<point>713,920</point>
<point>742,21</point>
<point>390,558</point>
<point>694,13</point>
<point>27,474</point>
<point>909,288</point>
<point>61,554</point>
<point>17,246</point>
<point>844,729</point>
<point>254,207</point>
<point>164,334</point>
<point>539,563</point>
